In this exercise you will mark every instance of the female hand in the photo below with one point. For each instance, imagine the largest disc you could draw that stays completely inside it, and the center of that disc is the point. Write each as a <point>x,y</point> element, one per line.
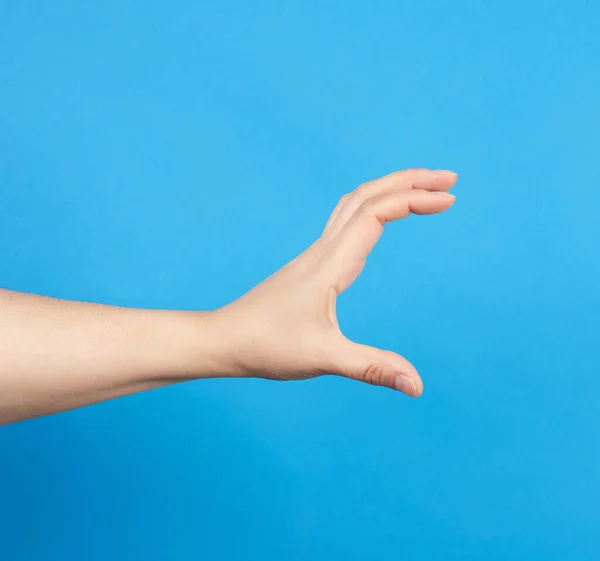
<point>286,327</point>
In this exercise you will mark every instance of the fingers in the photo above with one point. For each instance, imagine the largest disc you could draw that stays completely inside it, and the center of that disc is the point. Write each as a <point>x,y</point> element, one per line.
<point>377,367</point>
<point>438,180</point>
<point>358,236</point>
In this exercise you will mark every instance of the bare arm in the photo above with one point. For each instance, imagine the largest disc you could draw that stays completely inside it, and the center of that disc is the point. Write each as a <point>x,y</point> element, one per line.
<point>57,355</point>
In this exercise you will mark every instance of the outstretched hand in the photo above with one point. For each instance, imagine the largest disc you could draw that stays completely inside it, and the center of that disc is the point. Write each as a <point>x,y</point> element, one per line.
<point>286,327</point>
<point>57,355</point>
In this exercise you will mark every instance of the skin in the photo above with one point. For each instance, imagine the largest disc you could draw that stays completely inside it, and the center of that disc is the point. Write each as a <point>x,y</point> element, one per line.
<point>57,355</point>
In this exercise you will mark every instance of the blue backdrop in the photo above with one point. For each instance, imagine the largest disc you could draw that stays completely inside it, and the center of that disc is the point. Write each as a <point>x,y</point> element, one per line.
<point>173,154</point>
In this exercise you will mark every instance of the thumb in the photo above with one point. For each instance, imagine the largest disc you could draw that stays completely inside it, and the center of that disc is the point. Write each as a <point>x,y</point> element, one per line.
<point>377,367</point>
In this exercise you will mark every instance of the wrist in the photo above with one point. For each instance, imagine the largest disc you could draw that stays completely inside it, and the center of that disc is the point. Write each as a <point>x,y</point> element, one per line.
<point>195,345</point>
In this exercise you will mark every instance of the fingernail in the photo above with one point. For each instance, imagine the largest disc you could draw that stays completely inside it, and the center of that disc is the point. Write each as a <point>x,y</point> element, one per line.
<point>442,194</point>
<point>405,384</point>
<point>444,172</point>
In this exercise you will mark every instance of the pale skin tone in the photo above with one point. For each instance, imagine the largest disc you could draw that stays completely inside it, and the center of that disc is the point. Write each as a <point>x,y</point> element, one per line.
<point>57,355</point>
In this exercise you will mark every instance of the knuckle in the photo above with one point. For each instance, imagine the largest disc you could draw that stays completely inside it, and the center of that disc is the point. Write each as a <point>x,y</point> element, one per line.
<point>373,374</point>
<point>366,190</point>
<point>366,207</point>
<point>366,183</point>
<point>343,200</point>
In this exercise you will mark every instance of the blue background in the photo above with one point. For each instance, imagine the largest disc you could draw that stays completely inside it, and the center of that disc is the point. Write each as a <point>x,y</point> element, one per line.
<point>173,154</point>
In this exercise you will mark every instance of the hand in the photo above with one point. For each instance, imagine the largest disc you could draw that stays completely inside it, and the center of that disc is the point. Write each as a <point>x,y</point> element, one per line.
<point>286,327</point>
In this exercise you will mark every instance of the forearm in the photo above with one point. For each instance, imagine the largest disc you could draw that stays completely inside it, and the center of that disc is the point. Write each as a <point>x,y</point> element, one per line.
<point>57,355</point>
